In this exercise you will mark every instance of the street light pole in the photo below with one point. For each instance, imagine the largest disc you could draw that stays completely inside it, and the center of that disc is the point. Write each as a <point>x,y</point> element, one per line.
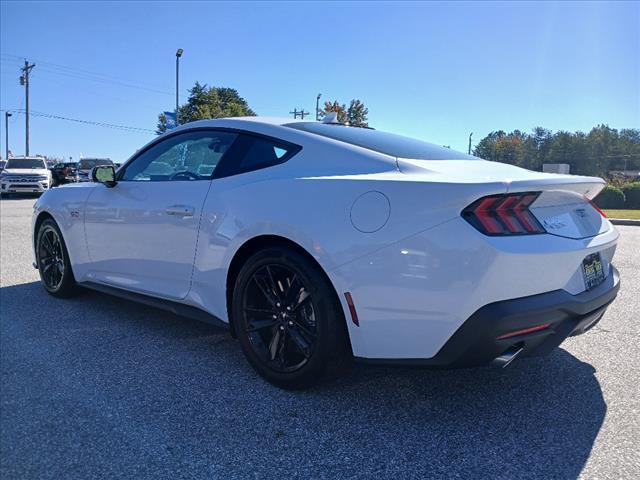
<point>318,107</point>
<point>6,134</point>
<point>470,135</point>
<point>178,55</point>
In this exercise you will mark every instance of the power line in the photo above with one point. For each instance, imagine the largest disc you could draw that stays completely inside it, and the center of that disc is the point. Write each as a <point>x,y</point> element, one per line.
<point>86,122</point>
<point>74,72</point>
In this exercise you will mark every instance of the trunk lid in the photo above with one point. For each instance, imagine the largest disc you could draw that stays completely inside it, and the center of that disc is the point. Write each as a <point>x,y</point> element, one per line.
<point>563,207</point>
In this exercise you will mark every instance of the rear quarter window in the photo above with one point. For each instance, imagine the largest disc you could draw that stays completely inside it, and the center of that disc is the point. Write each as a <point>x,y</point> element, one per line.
<point>252,152</point>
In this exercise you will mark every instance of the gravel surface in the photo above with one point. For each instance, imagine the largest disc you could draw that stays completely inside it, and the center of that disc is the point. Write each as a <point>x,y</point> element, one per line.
<point>97,387</point>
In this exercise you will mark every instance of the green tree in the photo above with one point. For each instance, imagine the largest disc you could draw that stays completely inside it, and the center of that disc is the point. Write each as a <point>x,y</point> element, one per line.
<point>208,102</point>
<point>357,114</point>
<point>599,152</point>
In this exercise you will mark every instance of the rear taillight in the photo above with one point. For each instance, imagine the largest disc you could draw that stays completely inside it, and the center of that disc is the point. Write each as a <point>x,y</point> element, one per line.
<point>506,214</point>
<point>593,204</point>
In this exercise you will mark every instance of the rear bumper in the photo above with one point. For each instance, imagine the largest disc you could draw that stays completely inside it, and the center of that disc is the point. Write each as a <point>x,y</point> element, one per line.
<point>476,342</point>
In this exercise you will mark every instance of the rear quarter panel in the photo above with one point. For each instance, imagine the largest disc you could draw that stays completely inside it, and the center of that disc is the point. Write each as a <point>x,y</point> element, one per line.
<point>316,212</point>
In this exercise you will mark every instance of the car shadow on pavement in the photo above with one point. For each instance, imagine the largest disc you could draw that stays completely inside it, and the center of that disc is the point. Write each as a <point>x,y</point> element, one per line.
<point>145,389</point>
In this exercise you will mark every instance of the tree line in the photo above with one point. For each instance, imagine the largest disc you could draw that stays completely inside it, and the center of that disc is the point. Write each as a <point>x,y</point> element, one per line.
<point>598,152</point>
<point>218,102</point>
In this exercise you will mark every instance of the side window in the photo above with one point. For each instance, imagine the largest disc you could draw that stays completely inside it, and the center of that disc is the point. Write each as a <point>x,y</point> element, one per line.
<point>253,153</point>
<point>189,156</point>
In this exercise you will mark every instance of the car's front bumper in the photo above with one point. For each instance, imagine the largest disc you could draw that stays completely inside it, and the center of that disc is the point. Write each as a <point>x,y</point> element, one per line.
<point>478,341</point>
<point>24,187</point>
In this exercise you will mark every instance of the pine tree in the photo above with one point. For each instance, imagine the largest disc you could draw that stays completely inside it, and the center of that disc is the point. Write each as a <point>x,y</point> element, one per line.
<point>208,102</point>
<point>357,114</point>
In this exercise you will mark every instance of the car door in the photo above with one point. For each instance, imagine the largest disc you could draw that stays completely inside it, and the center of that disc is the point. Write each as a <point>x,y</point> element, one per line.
<point>142,233</point>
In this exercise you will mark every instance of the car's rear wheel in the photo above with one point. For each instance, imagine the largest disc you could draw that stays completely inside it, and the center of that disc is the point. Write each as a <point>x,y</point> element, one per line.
<point>288,320</point>
<point>53,261</point>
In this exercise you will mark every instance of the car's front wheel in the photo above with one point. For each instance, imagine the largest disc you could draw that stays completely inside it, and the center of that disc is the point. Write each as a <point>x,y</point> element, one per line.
<point>53,261</point>
<point>288,320</point>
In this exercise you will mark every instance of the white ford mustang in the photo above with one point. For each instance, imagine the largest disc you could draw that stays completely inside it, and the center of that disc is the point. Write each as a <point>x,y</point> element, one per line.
<point>317,242</point>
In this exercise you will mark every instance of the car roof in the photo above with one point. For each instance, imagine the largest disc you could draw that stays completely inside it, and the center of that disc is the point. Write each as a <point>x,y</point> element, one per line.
<point>228,121</point>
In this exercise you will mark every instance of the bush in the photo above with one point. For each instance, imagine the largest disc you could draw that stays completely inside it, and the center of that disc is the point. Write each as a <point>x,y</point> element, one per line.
<point>631,193</point>
<point>610,197</point>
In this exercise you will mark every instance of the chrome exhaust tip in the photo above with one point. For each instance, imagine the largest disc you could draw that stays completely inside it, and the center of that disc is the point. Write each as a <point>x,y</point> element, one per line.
<point>509,355</point>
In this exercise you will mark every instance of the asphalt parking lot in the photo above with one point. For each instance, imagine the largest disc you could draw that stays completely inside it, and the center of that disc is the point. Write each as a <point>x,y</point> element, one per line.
<point>97,387</point>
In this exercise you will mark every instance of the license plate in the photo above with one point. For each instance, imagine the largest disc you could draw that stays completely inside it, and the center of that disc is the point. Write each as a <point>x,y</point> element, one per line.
<point>592,271</point>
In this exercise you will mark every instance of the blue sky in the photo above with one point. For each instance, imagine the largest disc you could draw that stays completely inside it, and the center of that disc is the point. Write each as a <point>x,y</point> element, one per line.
<point>436,71</point>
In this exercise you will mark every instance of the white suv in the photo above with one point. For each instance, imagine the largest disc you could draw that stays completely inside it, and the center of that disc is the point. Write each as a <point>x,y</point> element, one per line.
<point>25,175</point>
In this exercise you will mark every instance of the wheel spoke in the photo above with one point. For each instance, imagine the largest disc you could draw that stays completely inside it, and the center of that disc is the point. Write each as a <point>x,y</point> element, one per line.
<point>304,329</point>
<point>255,325</point>
<point>275,285</point>
<point>281,349</point>
<point>302,298</point>
<point>259,311</point>
<point>290,292</point>
<point>300,342</point>
<point>52,277</point>
<point>46,244</point>
<point>273,345</point>
<point>265,289</point>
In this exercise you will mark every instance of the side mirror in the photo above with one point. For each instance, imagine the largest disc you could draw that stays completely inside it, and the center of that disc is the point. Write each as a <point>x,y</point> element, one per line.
<point>105,174</point>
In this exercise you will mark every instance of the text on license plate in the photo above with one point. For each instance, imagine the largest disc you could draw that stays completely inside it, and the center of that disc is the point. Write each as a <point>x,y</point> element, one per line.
<point>592,271</point>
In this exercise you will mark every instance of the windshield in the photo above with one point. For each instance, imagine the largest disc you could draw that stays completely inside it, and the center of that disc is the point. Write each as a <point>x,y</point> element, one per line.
<point>93,162</point>
<point>25,163</point>
<point>383,142</point>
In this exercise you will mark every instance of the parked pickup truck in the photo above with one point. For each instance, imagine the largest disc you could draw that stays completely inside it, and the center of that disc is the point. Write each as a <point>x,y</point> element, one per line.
<point>63,173</point>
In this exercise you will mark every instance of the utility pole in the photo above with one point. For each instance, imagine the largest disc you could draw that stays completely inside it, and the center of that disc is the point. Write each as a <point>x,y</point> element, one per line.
<point>179,53</point>
<point>470,135</point>
<point>24,80</point>
<point>318,107</point>
<point>6,134</point>
<point>297,112</point>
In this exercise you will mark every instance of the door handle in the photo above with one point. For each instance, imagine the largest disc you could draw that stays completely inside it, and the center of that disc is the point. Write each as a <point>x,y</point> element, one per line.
<point>180,210</point>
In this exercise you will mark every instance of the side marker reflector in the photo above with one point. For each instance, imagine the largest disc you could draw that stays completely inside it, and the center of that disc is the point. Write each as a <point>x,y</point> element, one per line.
<point>352,309</point>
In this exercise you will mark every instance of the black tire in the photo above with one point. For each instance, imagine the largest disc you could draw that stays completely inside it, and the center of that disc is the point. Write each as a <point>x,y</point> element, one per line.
<point>282,300</point>
<point>53,261</point>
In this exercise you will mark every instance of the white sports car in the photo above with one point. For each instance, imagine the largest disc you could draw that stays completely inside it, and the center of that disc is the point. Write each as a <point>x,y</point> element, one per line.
<point>317,242</point>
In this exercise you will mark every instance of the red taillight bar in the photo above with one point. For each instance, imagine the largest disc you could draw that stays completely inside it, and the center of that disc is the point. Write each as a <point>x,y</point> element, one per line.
<point>524,331</point>
<point>505,214</point>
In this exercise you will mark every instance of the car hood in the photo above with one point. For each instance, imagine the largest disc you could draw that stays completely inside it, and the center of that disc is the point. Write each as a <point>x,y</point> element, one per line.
<point>26,171</point>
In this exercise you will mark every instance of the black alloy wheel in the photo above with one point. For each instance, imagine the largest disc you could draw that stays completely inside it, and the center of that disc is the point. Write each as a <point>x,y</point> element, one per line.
<point>279,318</point>
<point>288,319</point>
<point>53,261</point>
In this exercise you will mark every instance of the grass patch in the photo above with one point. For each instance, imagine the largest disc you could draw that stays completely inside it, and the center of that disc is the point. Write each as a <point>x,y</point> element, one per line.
<point>627,214</point>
